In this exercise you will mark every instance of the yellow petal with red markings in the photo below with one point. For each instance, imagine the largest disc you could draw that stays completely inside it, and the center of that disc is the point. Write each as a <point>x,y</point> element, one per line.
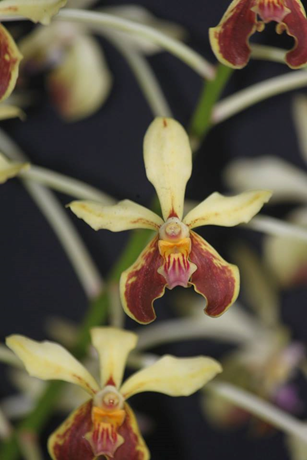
<point>227,211</point>
<point>215,279</point>
<point>80,85</point>
<point>168,163</point>
<point>141,284</point>
<point>229,39</point>
<point>10,58</point>
<point>172,376</point>
<point>68,441</point>
<point>125,215</point>
<point>113,346</point>
<point>10,111</point>
<point>50,361</point>
<point>9,169</point>
<point>36,10</point>
<point>133,447</point>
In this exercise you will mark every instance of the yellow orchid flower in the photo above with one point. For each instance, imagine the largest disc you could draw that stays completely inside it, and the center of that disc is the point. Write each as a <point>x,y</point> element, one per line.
<point>176,256</point>
<point>105,425</point>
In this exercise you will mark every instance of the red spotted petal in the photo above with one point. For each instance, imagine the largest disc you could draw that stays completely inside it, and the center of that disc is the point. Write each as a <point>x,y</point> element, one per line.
<point>68,442</point>
<point>296,26</point>
<point>134,447</point>
<point>10,58</point>
<point>141,284</point>
<point>215,279</point>
<point>229,40</point>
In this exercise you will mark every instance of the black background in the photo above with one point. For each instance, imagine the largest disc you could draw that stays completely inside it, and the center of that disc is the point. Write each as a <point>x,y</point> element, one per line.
<point>105,150</point>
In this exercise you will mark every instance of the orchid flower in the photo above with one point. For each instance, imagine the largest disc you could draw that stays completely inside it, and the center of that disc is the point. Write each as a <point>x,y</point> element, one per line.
<point>176,256</point>
<point>78,77</point>
<point>229,40</point>
<point>10,57</point>
<point>105,424</point>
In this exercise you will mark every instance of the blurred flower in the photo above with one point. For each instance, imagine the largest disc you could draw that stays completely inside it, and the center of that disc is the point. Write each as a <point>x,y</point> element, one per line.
<point>176,256</point>
<point>229,40</point>
<point>78,78</point>
<point>266,368</point>
<point>287,257</point>
<point>106,425</point>
<point>9,169</point>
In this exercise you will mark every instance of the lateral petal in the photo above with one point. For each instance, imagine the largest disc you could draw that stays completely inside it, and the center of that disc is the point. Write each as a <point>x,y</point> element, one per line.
<point>10,58</point>
<point>141,284</point>
<point>113,346</point>
<point>35,10</point>
<point>227,211</point>
<point>296,26</point>
<point>168,163</point>
<point>133,447</point>
<point>50,361</point>
<point>215,279</point>
<point>10,111</point>
<point>80,85</point>
<point>124,215</point>
<point>229,39</point>
<point>287,182</point>
<point>9,169</point>
<point>68,442</point>
<point>172,376</point>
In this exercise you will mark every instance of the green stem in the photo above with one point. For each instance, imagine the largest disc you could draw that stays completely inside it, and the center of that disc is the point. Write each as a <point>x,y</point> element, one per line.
<point>201,120</point>
<point>96,315</point>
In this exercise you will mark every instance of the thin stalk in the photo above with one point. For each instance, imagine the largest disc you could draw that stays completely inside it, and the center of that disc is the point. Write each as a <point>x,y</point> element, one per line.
<point>276,227</point>
<point>29,446</point>
<point>145,76</point>
<point>268,53</point>
<point>260,408</point>
<point>65,184</point>
<point>202,118</point>
<point>182,51</point>
<point>73,245</point>
<point>241,100</point>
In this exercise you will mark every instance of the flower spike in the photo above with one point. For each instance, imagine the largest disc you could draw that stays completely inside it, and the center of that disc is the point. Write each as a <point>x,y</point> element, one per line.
<point>229,40</point>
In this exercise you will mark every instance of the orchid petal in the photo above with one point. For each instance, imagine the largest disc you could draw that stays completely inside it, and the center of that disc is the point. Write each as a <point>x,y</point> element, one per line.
<point>68,441</point>
<point>229,39</point>
<point>10,58</point>
<point>287,257</point>
<point>300,123</point>
<point>35,10</point>
<point>227,211</point>
<point>10,111</point>
<point>295,24</point>
<point>113,346</point>
<point>80,85</point>
<point>286,181</point>
<point>125,215</point>
<point>134,447</point>
<point>50,361</point>
<point>9,169</point>
<point>172,376</point>
<point>141,284</point>
<point>215,279</point>
<point>168,163</point>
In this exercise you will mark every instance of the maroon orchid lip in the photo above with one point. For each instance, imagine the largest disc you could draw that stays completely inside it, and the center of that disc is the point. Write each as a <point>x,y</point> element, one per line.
<point>9,63</point>
<point>229,40</point>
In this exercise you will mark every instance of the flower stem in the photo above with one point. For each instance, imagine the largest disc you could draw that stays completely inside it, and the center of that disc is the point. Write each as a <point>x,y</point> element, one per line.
<point>182,51</point>
<point>260,408</point>
<point>201,120</point>
<point>260,91</point>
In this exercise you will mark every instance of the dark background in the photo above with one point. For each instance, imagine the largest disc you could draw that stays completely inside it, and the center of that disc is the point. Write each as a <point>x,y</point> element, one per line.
<point>105,150</point>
